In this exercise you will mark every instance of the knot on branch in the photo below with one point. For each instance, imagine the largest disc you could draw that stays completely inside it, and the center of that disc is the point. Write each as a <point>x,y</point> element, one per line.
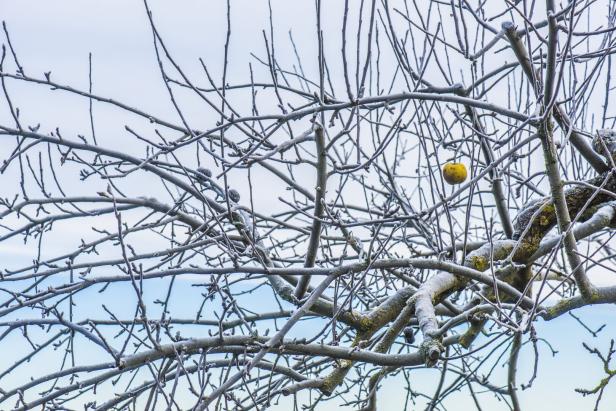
<point>508,26</point>
<point>604,143</point>
<point>431,350</point>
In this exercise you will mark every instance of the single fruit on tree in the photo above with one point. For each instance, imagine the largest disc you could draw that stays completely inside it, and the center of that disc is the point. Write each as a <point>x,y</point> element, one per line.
<point>454,173</point>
